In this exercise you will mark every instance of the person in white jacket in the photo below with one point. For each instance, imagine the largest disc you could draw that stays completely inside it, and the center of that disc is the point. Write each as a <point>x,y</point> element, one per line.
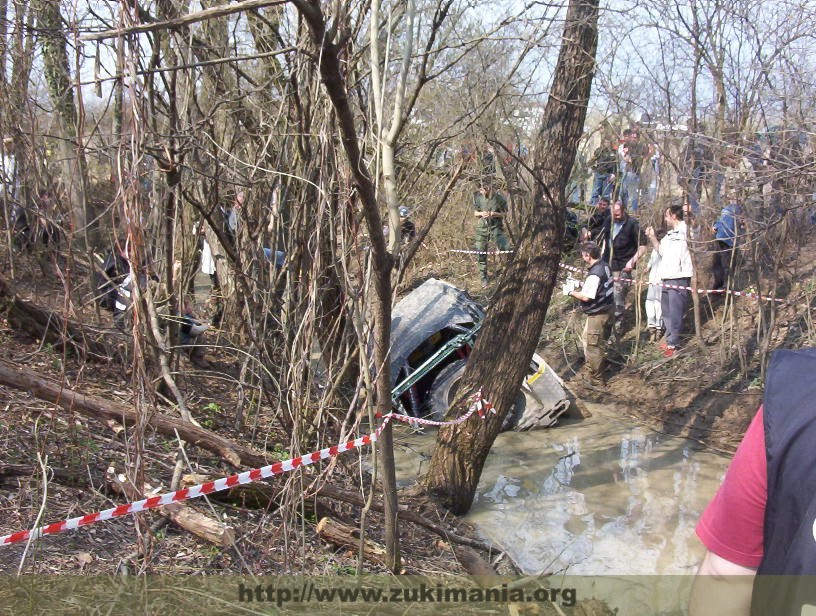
<point>675,273</point>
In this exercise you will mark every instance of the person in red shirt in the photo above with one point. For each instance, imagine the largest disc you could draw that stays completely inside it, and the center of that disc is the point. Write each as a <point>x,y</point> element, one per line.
<point>731,528</point>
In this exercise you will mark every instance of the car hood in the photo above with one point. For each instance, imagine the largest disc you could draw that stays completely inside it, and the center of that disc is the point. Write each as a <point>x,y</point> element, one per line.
<point>431,307</point>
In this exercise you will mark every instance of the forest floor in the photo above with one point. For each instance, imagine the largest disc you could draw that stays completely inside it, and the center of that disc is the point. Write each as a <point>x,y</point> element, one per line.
<point>707,392</point>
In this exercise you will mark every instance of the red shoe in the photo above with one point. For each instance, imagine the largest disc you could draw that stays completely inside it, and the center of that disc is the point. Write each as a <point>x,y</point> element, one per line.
<point>669,351</point>
<point>663,345</point>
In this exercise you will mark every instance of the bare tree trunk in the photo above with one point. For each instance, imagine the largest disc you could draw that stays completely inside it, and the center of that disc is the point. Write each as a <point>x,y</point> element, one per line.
<point>695,71</point>
<point>334,83</point>
<point>513,324</point>
<point>58,79</point>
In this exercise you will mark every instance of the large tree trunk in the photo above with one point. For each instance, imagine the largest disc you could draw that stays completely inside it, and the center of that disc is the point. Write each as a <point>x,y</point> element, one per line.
<point>513,323</point>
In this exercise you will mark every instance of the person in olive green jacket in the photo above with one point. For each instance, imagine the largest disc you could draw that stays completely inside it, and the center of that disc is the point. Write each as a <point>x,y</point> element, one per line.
<point>490,208</point>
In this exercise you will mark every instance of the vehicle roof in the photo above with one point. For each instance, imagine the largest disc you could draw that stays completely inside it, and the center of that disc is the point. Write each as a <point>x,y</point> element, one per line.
<point>428,309</point>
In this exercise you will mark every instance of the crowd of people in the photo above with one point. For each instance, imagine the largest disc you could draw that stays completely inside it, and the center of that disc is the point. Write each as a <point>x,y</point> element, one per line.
<point>622,243</point>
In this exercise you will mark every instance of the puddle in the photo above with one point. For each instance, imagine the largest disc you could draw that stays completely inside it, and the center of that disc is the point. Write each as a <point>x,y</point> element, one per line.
<point>589,497</point>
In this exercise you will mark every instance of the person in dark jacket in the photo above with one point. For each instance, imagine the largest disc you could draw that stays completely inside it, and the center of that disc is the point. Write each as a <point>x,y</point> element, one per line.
<point>604,164</point>
<point>625,245</point>
<point>113,271</point>
<point>191,333</point>
<point>407,226</point>
<point>597,302</point>
<point>597,224</point>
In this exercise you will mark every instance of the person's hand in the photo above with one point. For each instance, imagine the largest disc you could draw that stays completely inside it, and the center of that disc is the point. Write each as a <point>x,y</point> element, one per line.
<point>650,232</point>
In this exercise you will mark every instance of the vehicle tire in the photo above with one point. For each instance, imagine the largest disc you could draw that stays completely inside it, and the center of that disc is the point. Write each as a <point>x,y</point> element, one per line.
<point>443,392</point>
<point>443,389</point>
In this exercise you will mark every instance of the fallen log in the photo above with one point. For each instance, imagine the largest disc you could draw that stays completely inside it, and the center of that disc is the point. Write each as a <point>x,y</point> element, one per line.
<point>38,386</point>
<point>53,328</point>
<point>333,493</point>
<point>255,495</point>
<point>474,564</point>
<point>179,513</point>
<point>8,473</point>
<point>343,535</point>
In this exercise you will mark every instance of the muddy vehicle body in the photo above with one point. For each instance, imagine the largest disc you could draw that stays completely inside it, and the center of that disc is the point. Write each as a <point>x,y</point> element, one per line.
<point>433,329</point>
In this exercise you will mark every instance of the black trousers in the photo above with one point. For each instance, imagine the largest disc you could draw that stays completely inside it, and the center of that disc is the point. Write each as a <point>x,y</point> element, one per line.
<point>722,263</point>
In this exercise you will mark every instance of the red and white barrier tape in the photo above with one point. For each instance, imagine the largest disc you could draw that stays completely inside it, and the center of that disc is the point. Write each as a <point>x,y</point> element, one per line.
<point>748,294</point>
<point>479,405</point>
<point>693,290</point>
<point>484,252</point>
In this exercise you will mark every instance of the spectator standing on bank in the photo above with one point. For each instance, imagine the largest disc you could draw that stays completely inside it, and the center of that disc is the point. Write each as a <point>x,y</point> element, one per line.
<point>597,302</point>
<point>654,312</point>
<point>597,225</point>
<point>490,208</point>
<point>626,245</point>
<point>604,163</point>
<point>631,154</point>
<point>675,275</point>
<point>695,166</point>
<point>407,226</point>
<point>725,234</point>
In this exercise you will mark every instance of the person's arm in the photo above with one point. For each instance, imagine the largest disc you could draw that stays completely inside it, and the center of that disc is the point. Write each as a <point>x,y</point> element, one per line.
<point>721,587</point>
<point>650,235</point>
<point>732,528</point>
<point>588,291</point>
<point>717,565</point>
<point>632,263</point>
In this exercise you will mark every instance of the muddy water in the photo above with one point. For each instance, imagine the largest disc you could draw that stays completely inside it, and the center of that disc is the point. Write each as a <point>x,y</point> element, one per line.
<point>593,496</point>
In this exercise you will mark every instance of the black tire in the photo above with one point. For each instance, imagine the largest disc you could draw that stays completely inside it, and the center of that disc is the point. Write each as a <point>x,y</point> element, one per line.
<point>443,392</point>
<point>443,389</point>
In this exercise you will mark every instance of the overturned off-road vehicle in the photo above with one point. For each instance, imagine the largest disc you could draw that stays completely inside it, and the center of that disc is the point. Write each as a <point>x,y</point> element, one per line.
<point>433,329</point>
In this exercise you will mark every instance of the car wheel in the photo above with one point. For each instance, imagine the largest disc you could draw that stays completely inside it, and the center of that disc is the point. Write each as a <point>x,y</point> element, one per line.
<point>443,389</point>
<point>443,392</point>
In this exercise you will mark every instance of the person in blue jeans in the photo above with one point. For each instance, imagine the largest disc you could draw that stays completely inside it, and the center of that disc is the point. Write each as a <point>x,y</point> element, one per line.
<point>725,234</point>
<point>604,165</point>
<point>631,155</point>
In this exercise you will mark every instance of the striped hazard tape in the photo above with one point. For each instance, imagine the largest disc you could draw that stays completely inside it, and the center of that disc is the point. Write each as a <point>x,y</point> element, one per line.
<point>749,294</point>
<point>572,268</point>
<point>484,252</point>
<point>478,405</point>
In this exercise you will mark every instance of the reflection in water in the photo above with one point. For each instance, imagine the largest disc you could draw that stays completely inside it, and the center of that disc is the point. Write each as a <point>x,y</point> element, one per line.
<point>593,497</point>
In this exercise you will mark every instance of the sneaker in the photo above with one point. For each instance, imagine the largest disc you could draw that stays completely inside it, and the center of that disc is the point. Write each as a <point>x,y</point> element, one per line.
<point>663,346</point>
<point>485,281</point>
<point>669,351</point>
